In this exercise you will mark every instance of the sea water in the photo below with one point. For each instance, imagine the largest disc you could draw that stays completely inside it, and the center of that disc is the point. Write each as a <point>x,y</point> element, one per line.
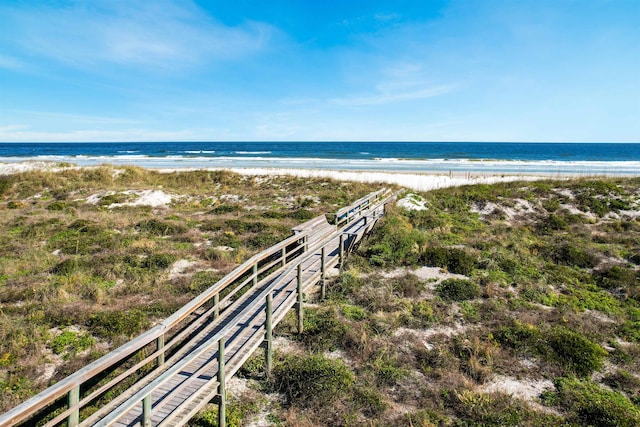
<point>439,157</point>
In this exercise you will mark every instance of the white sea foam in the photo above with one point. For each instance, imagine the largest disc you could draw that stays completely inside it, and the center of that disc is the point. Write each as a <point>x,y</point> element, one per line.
<point>387,165</point>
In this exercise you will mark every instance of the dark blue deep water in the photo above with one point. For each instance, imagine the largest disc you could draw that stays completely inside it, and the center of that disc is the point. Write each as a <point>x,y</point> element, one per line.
<point>581,158</point>
<point>336,150</point>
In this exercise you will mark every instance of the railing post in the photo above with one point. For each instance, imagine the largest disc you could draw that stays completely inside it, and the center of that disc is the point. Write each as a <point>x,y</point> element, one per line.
<point>160,350</point>
<point>323,274</point>
<point>268,335</point>
<point>146,411</point>
<point>73,398</point>
<point>216,309</point>
<point>341,250</point>
<point>284,256</point>
<point>255,273</point>
<point>306,242</point>
<point>300,319</point>
<point>222,390</point>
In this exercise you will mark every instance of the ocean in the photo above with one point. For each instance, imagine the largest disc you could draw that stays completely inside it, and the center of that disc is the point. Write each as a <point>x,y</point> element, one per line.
<point>435,157</point>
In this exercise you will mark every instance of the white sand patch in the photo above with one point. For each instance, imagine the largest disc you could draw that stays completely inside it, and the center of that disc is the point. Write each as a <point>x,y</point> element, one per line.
<point>426,335</point>
<point>414,181</point>
<point>629,215</point>
<point>435,274</point>
<point>524,206</point>
<point>231,198</point>
<point>153,198</point>
<point>50,368</point>
<point>94,199</point>
<point>428,274</point>
<point>571,209</point>
<point>236,387</point>
<point>525,389</point>
<point>484,209</point>
<point>180,267</point>
<point>413,202</point>
<point>565,192</point>
<point>286,345</point>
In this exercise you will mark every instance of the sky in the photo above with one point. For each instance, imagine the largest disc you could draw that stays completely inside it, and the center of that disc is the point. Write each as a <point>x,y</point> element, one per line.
<point>305,70</point>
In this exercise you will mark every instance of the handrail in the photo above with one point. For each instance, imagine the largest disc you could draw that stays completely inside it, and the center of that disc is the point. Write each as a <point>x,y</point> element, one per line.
<point>248,273</point>
<point>348,213</point>
<point>135,400</point>
<point>36,403</point>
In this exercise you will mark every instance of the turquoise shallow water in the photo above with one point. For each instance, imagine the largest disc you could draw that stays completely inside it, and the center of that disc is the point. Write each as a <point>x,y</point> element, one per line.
<point>480,157</point>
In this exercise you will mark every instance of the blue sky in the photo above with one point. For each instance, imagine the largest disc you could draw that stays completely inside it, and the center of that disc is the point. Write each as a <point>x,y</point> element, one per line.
<point>467,70</point>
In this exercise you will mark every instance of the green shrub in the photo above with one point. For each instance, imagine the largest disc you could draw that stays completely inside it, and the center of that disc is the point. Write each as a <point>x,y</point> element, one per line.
<point>484,409</point>
<point>519,335</point>
<point>395,242</point>
<point>369,401</point>
<point>590,404</point>
<point>313,380</point>
<point>157,227</point>
<point>455,260</point>
<point>301,214</point>
<point>623,381</point>
<point>323,330</point>
<point>243,226</point>
<point>57,206</point>
<point>576,353</point>
<point>111,324</point>
<point>158,261</point>
<point>458,289</point>
<point>387,369</point>
<point>71,342</point>
<point>228,238</point>
<point>353,312</point>
<point>225,208</point>
<point>263,240</point>
<point>617,277</point>
<point>408,286</point>
<point>422,313</point>
<point>551,224</point>
<point>85,226</point>
<point>569,254</point>
<point>630,331</point>
<point>67,267</point>
<point>348,284</point>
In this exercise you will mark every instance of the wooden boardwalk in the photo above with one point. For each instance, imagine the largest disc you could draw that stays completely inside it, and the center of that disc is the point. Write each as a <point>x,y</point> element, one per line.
<point>211,337</point>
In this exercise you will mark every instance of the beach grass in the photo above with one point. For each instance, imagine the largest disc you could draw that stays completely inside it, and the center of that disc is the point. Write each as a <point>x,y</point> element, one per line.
<point>503,304</point>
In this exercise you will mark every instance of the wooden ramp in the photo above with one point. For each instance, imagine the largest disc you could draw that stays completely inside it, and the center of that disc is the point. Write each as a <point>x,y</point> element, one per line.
<point>208,340</point>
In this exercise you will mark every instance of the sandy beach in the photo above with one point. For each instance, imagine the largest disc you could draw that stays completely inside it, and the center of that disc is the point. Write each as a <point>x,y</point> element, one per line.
<point>415,181</point>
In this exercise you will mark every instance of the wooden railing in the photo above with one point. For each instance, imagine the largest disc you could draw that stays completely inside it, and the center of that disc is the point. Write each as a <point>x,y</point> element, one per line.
<point>153,357</point>
<point>348,214</point>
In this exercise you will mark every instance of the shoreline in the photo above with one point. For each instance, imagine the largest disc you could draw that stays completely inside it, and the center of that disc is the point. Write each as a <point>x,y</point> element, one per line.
<point>418,180</point>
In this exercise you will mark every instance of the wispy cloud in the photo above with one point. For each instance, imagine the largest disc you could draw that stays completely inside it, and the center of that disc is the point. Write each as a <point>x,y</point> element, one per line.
<point>388,97</point>
<point>10,63</point>
<point>400,82</point>
<point>163,33</point>
<point>19,133</point>
<point>76,118</point>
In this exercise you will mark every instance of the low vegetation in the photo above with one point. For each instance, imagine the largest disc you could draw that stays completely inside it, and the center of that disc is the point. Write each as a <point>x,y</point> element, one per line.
<point>511,304</point>
<point>90,258</point>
